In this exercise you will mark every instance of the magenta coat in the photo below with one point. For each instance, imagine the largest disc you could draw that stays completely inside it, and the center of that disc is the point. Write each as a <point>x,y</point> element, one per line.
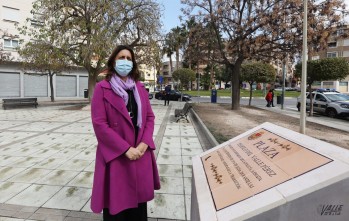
<point>120,183</point>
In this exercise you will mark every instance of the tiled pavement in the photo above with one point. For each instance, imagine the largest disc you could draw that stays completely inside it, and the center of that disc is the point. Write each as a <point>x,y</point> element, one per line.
<point>47,163</point>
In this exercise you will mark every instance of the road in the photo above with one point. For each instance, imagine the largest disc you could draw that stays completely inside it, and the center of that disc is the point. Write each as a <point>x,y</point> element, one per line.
<point>290,103</point>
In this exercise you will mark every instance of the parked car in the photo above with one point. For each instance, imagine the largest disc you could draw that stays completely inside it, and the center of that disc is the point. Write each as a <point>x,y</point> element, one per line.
<point>174,96</point>
<point>332,104</point>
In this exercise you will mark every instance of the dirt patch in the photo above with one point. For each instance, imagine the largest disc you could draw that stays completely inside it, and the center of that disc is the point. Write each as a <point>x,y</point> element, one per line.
<point>225,123</point>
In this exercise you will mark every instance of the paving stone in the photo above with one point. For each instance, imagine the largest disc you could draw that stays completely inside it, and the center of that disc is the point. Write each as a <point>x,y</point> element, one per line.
<point>9,190</point>
<point>30,175</point>
<point>10,219</point>
<point>83,179</point>
<point>8,172</point>
<point>168,159</point>
<point>171,185</point>
<point>86,215</point>
<point>58,177</point>
<point>29,196</point>
<point>187,171</point>
<point>167,206</point>
<point>56,212</point>
<point>22,215</point>
<point>7,213</point>
<point>173,170</point>
<point>69,198</point>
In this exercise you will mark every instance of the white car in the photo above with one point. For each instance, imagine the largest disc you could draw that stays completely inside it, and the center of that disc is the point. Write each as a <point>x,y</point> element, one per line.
<point>332,104</point>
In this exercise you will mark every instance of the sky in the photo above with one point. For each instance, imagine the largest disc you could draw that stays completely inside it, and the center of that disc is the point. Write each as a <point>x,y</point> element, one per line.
<point>171,13</point>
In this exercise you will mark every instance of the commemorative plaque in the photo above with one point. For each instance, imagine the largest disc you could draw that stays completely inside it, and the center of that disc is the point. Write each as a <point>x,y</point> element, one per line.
<point>255,163</point>
<point>271,173</point>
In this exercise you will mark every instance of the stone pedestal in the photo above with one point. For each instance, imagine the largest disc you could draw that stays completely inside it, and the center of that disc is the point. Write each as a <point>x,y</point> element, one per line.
<point>271,173</point>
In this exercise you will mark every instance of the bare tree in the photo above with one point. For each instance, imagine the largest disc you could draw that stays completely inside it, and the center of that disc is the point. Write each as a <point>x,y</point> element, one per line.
<point>259,30</point>
<point>44,58</point>
<point>86,31</point>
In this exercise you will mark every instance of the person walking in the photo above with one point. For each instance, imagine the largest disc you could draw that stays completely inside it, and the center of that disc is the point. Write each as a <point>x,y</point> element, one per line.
<point>268,98</point>
<point>272,98</point>
<point>126,174</point>
<point>167,95</point>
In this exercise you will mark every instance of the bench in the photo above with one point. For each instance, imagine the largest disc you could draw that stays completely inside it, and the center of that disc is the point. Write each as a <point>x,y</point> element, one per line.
<point>14,102</point>
<point>183,113</point>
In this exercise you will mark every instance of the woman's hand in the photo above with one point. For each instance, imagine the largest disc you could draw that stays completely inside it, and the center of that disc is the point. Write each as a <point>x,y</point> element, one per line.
<point>133,153</point>
<point>142,147</point>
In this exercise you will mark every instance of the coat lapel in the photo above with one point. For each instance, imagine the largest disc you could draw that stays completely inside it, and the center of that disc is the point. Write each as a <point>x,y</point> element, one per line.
<point>116,101</point>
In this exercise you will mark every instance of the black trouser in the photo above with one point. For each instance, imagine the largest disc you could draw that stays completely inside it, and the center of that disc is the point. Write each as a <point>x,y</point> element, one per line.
<point>134,214</point>
<point>167,99</point>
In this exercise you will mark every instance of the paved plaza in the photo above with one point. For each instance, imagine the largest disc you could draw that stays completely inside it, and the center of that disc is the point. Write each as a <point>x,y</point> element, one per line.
<point>47,164</point>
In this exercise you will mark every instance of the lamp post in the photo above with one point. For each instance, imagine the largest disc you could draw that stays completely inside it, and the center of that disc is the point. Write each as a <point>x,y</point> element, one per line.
<point>304,68</point>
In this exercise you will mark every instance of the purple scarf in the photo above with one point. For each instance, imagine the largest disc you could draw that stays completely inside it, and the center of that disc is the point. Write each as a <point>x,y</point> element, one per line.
<point>119,87</point>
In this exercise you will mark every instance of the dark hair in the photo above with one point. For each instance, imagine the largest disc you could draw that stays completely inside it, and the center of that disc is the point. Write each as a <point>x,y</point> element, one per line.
<point>134,74</point>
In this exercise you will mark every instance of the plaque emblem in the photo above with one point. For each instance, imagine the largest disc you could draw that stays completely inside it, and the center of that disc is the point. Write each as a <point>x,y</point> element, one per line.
<point>255,135</point>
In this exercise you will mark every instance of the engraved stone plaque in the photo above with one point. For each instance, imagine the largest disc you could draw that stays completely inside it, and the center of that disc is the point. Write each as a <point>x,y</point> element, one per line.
<point>252,164</point>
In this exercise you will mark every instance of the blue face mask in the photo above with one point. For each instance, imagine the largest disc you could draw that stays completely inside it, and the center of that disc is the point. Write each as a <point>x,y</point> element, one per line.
<point>123,67</point>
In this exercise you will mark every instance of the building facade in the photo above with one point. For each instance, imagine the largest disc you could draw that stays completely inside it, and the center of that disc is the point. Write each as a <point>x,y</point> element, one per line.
<point>336,48</point>
<point>16,82</point>
<point>166,72</point>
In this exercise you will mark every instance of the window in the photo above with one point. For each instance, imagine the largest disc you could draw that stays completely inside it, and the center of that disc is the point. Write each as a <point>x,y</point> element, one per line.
<point>10,43</point>
<point>327,83</point>
<point>315,57</point>
<point>10,14</point>
<point>346,42</point>
<point>345,54</point>
<point>320,97</point>
<point>316,83</point>
<point>37,20</point>
<point>331,54</point>
<point>332,44</point>
<point>345,84</point>
<point>148,75</point>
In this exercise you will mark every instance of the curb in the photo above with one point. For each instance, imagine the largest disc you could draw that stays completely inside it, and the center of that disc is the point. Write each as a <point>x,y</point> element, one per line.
<point>207,140</point>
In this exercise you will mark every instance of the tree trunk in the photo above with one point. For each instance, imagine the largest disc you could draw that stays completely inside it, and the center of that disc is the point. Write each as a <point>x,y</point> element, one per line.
<point>51,87</point>
<point>170,64</point>
<point>92,79</point>
<point>249,102</point>
<point>177,58</point>
<point>235,84</point>
<point>212,76</point>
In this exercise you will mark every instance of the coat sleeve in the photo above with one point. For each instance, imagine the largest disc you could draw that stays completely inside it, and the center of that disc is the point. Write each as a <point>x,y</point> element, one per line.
<point>148,124</point>
<point>110,144</point>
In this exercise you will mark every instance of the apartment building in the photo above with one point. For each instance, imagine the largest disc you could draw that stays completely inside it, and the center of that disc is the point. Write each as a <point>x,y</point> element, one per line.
<point>16,82</point>
<point>148,73</point>
<point>336,48</point>
<point>166,73</point>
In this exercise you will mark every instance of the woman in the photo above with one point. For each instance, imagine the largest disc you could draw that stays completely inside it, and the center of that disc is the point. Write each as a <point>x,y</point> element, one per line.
<point>269,98</point>
<point>125,172</point>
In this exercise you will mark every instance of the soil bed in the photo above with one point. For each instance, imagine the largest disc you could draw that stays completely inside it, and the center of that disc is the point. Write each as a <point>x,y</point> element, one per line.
<point>225,123</point>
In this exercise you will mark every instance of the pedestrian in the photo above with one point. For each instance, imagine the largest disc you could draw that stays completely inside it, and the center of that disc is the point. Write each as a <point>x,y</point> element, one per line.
<point>268,98</point>
<point>272,98</point>
<point>167,95</point>
<point>126,174</point>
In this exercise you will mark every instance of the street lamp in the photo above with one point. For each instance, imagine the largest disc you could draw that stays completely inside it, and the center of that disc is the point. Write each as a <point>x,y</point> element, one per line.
<point>304,68</point>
